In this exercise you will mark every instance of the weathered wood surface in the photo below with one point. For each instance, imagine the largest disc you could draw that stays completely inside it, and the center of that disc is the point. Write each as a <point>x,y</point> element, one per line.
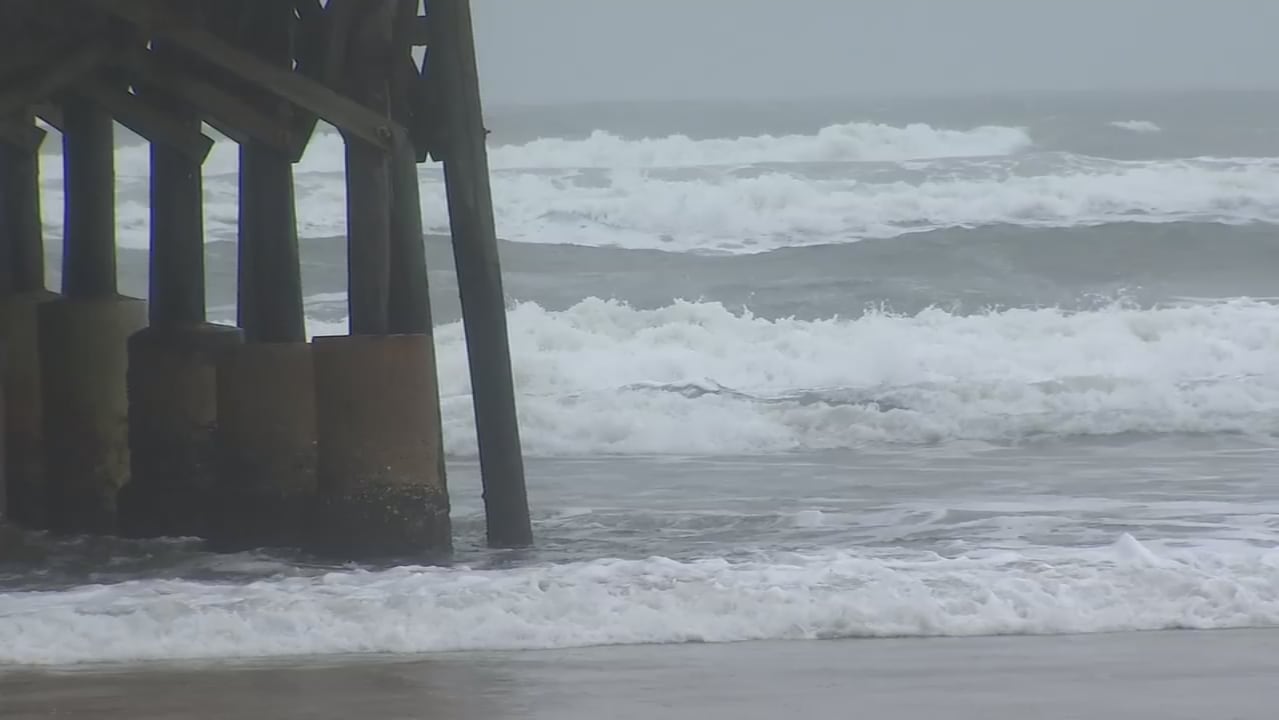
<point>452,59</point>
<point>264,73</point>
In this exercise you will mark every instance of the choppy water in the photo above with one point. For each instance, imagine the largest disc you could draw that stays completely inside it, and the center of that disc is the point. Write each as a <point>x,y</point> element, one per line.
<point>809,371</point>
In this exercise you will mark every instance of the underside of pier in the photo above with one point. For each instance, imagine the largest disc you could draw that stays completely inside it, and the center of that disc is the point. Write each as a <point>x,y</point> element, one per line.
<point>138,417</point>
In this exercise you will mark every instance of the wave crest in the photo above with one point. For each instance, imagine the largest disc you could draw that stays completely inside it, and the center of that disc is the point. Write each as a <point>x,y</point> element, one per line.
<point>694,378</point>
<point>831,594</point>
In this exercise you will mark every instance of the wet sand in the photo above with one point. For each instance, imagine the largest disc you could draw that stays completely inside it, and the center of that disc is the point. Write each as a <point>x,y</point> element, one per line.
<point>1228,675</point>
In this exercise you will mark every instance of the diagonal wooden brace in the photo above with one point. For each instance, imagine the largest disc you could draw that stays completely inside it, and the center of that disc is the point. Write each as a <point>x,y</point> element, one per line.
<point>147,120</point>
<point>340,111</point>
<point>237,119</point>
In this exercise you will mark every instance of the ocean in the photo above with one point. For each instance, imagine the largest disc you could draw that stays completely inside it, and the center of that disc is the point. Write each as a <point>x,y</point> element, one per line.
<point>912,368</point>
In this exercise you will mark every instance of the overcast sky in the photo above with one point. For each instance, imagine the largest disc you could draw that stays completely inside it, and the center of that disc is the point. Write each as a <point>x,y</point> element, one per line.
<point>554,51</point>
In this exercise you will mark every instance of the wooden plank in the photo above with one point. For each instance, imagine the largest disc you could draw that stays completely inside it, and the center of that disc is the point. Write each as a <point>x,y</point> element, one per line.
<point>147,120</point>
<point>334,108</point>
<point>52,77</point>
<point>479,274</point>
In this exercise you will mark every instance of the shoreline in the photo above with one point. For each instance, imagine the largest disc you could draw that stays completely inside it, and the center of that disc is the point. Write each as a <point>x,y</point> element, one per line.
<point>1169,675</point>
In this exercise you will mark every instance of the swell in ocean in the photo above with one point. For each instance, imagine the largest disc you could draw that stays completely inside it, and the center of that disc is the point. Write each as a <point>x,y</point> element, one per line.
<point>817,595</point>
<point>697,378</point>
<point>844,381</point>
<point>844,183</point>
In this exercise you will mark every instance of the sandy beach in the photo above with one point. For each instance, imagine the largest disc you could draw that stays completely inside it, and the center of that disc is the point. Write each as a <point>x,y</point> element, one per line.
<point>1181,675</point>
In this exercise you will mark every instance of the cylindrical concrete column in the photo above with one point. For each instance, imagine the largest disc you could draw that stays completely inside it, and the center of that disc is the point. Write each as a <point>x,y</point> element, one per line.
<point>172,415</point>
<point>84,352</point>
<point>23,414</point>
<point>380,490</point>
<point>265,441</point>
<point>22,255</point>
<point>88,147</point>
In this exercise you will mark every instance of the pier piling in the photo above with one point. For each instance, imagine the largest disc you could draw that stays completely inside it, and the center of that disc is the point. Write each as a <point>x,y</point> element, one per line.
<point>172,363</point>
<point>452,61</point>
<point>381,480</point>
<point>265,404</point>
<point>83,339</point>
<point>22,292</point>
<point>145,419</point>
<point>265,439</point>
<point>380,491</point>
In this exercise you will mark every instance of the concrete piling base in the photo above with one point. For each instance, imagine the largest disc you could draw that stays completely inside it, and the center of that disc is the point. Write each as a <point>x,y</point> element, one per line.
<point>23,415</point>
<point>172,414</point>
<point>265,444</point>
<point>381,488</point>
<point>83,347</point>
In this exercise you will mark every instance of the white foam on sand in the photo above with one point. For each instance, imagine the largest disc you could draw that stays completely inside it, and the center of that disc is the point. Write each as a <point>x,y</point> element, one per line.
<point>828,594</point>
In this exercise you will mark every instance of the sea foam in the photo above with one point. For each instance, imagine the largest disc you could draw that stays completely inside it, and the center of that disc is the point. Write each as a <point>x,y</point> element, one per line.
<point>700,379</point>
<point>827,594</point>
<point>753,194</point>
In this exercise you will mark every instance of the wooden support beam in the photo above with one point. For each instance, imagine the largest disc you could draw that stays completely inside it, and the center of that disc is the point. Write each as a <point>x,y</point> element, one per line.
<point>334,108</point>
<point>54,74</point>
<point>341,16</point>
<point>233,117</point>
<point>312,51</point>
<point>23,136</point>
<point>368,181</point>
<point>270,279</point>
<point>177,292</point>
<point>409,300</point>
<point>309,10</point>
<point>270,276</point>
<point>152,123</point>
<point>410,103</point>
<point>88,148</point>
<point>368,231</point>
<point>419,32</point>
<point>416,108</point>
<point>20,224</point>
<point>479,274</point>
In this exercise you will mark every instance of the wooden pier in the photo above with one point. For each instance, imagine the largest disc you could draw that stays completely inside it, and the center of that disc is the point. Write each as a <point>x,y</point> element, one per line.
<point>141,418</point>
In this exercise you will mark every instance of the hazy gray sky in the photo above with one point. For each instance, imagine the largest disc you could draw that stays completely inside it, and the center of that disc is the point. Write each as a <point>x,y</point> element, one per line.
<point>549,51</point>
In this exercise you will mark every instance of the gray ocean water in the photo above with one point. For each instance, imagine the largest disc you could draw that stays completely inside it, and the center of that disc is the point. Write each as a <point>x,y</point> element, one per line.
<point>959,366</point>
